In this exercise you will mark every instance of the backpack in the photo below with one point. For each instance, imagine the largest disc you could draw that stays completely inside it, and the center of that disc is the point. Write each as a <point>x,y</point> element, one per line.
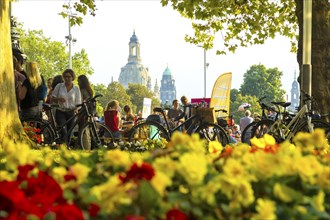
<point>43,90</point>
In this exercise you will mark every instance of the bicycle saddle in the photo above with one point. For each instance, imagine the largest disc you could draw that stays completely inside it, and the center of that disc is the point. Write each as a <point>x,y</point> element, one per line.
<point>283,104</point>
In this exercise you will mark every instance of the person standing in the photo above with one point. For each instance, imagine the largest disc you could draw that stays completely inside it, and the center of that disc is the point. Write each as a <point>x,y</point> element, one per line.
<point>244,121</point>
<point>67,96</point>
<point>19,79</point>
<point>29,92</point>
<point>186,113</point>
<point>85,87</point>
<point>86,93</point>
<point>174,111</point>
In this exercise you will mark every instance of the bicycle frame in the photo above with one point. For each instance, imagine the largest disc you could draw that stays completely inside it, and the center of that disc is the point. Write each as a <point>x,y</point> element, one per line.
<point>77,117</point>
<point>195,120</point>
<point>287,131</point>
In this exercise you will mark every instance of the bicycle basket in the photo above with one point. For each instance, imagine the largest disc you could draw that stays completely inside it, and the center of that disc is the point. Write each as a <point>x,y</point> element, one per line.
<point>208,114</point>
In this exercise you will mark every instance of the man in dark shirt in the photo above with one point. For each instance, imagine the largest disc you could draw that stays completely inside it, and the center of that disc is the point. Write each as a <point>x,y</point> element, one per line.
<point>174,111</point>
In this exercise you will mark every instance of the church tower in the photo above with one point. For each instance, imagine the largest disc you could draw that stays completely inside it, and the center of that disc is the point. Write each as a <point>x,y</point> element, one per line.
<point>134,72</point>
<point>156,90</point>
<point>167,88</point>
<point>294,94</point>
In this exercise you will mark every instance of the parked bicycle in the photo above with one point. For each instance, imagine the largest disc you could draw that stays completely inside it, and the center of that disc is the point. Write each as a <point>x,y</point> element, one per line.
<point>283,129</point>
<point>247,132</point>
<point>89,136</point>
<point>155,128</point>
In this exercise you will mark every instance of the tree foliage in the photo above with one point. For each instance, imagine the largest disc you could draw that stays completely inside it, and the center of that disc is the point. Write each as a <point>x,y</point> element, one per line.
<point>240,99</point>
<point>115,91</point>
<point>259,81</point>
<point>137,93</point>
<point>241,22</point>
<point>51,55</point>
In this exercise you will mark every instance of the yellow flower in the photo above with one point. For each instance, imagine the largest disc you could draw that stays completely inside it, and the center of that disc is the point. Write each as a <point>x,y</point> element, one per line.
<point>323,178</point>
<point>185,142</point>
<point>244,193</point>
<point>80,171</point>
<point>319,138</point>
<point>207,192</point>
<point>285,193</point>
<point>215,147</point>
<point>4,175</point>
<point>233,169</point>
<point>269,140</point>
<point>112,194</point>
<point>237,190</point>
<point>160,181</point>
<point>58,174</point>
<point>258,142</point>
<point>308,168</point>
<point>117,158</point>
<point>318,201</point>
<point>18,154</point>
<point>166,165</point>
<point>192,167</point>
<point>266,210</point>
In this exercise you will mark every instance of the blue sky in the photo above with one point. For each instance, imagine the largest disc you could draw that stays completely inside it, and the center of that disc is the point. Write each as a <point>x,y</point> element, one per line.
<point>161,32</point>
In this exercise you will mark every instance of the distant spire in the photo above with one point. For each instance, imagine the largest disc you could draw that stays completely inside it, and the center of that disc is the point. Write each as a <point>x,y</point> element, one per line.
<point>295,75</point>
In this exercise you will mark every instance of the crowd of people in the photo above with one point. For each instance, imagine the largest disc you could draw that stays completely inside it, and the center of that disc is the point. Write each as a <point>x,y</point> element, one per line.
<point>31,91</point>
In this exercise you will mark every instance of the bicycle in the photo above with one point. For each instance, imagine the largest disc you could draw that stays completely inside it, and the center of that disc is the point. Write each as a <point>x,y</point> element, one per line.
<point>153,128</point>
<point>246,133</point>
<point>283,129</point>
<point>90,135</point>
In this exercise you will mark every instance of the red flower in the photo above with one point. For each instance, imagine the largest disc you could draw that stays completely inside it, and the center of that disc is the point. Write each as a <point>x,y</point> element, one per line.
<point>67,212</point>
<point>69,177</point>
<point>136,173</point>
<point>134,217</point>
<point>11,197</point>
<point>93,210</point>
<point>23,172</point>
<point>43,191</point>
<point>176,214</point>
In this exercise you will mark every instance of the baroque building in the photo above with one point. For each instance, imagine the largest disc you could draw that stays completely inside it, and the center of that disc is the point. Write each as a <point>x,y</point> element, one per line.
<point>167,88</point>
<point>294,94</point>
<point>134,72</point>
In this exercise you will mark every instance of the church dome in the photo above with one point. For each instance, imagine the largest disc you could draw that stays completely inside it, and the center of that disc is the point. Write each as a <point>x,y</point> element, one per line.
<point>134,73</point>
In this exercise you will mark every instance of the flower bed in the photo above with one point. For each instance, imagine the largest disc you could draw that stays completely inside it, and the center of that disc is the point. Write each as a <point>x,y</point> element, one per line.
<point>183,181</point>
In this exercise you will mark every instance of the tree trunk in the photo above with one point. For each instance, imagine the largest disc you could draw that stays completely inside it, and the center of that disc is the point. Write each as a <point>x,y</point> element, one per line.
<point>320,52</point>
<point>10,125</point>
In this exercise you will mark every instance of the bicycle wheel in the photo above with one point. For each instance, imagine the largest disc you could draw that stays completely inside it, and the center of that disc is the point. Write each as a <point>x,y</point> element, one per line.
<point>261,128</point>
<point>246,133</point>
<point>44,133</point>
<point>148,130</point>
<point>213,132</point>
<point>90,138</point>
<point>317,124</point>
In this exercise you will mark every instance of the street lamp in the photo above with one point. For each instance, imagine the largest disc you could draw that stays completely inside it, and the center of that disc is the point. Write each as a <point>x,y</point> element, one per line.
<point>69,38</point>
<point>69,41</point>
<point>205,66</point>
